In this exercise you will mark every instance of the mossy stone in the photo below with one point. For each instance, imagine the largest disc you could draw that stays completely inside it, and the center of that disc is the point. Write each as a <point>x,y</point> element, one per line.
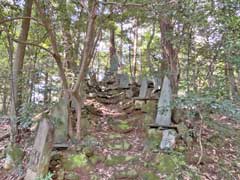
<point>74,161</point>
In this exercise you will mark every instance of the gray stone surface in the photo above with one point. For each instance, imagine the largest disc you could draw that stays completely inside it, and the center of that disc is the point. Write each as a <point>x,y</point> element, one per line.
<point>114,64</point>
<point>168,139</point>
<point>59,115</point>
<point>123,81</point>
<point>143,89</point>
<point>41,152</point>
<point>157,83</point>
<point>163,117</point>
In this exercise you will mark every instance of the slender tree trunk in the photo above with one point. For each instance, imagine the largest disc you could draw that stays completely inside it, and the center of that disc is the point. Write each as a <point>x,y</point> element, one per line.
<point>4,100</point>
<point>238,72</point>
<point>150,65</point>
<point>112,50</point>
<point>189,58</point>
<point>130,63</point>
<point>169,53</point>
<point>135,46</point>
<point>67,37</point>
<point>226,80</point>
<point>121,45</point>
<point>233,84</point>
<point>86,59</point>
<point>69,62</point>
<point>45,94</point>
<point>19,56</point>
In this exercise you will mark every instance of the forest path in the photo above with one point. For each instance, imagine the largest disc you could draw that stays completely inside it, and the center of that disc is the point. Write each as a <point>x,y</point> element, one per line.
<point>121,135</point>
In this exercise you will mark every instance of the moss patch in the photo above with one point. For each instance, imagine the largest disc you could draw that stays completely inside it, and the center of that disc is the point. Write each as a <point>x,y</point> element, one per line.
<point>119,145</point>
<point>74,161</point>
<point>14,156</point>
<point>149,176</point>
<point>96,159</point>
<point>115,136</point>
<point>120,126</point>
<point>115,160</point>
<point>153,139</point>
<point>169,163</point>
<point>126,174</point>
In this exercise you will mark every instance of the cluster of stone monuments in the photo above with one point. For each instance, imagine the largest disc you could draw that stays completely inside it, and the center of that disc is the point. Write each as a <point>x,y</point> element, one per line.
<point>147,90</point>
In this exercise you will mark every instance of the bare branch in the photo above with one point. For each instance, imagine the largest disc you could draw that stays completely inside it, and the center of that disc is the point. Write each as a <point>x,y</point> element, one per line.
<point>17,18</point>
<point>33,44</point>
<point>124,4</point>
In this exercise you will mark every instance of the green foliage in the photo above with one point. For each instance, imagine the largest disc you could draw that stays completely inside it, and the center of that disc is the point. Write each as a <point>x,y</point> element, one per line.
<point>208,104</point>
<point>74,161</point>
<point>26,113</point>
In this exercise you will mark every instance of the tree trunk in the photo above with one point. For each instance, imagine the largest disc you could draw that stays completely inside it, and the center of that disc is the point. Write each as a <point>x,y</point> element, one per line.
<point>45,94</point>
<point>4,100</point>
<point>169,53</point>
<point>130,63</point>
<point>86,59</point>
<point>189,58</point>
<point>112,51</point>
<point>231,78</point>
<point>19,56</point>
<point>226,79</point>
<point>135,46</point>
<point>150,65</point>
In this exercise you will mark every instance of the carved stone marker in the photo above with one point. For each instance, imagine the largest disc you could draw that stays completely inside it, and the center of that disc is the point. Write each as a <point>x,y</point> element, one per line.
<point>164,104</point>
<point>59,114</point>
<point>123,81</point>
<point>40,155</point>
<point>143,89</point>
<point>157,83</point>
<point>168,139</point>
<point>164,115</point>
<point>114,64</point>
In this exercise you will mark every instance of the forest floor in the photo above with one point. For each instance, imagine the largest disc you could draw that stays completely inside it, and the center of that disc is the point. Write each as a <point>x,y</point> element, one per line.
<point>121,146</point>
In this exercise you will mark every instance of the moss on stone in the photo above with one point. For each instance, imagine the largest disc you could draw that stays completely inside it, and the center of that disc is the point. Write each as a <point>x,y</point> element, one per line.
<point>74,161</point>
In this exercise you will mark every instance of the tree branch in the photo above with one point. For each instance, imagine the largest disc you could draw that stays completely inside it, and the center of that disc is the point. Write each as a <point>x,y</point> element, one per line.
<point>33,44</point>
<point>17,18</point>
<point>124,4</point>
